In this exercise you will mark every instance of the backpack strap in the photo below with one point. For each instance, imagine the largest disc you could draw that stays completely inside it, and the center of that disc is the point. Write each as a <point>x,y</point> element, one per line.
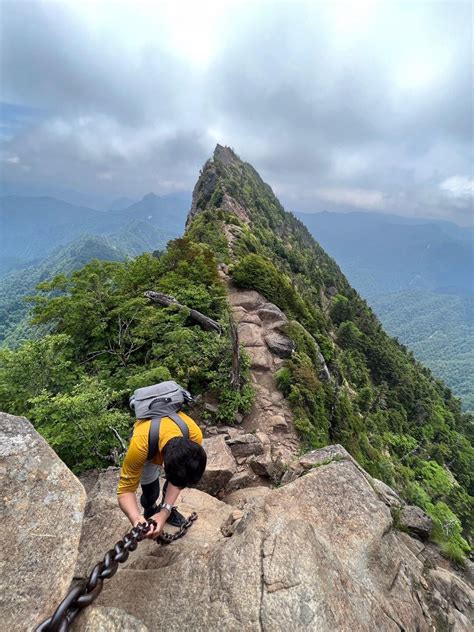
<point>154,432</point>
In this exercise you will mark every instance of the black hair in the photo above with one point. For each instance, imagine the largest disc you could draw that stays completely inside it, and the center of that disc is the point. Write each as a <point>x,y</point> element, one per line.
<point>185,461</point>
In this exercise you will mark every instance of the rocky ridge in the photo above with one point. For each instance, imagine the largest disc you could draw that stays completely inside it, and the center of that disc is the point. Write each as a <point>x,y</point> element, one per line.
<point>318,553</point>
<point>265,440</point>
<point>283,541</point>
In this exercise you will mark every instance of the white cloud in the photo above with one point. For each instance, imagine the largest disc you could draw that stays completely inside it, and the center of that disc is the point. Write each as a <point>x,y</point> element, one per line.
<point>358,103</point>
<point>360,198</point>
<point>458,186</point>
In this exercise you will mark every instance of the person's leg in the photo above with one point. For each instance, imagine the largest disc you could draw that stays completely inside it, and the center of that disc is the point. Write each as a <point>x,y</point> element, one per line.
<point>150,483</point>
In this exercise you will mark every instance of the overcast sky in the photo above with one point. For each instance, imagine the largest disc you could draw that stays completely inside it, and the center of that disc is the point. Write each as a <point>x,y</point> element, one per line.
<point>339,106</point>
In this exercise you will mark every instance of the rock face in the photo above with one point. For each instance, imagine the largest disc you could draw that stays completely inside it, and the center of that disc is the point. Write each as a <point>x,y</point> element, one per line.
<point>317,554</point>
<point>43,504</point>
<point>101,501</point>
<point>416,521</point>
<point>221,465</point>
<point>108,620</point>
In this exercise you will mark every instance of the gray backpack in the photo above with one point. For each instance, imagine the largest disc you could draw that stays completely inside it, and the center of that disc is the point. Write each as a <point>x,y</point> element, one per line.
<point>155,402</point>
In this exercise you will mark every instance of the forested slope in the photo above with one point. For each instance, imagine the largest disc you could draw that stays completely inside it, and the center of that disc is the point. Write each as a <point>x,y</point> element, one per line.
<point>17,285</point>
<point>418,277</point>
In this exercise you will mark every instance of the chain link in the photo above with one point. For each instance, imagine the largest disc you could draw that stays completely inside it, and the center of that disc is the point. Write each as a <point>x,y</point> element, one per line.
<point>84,594</point>
<point>167,538</point>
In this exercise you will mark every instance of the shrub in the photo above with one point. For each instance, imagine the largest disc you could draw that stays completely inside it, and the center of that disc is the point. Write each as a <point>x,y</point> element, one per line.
<point>257,273</point>
<point>81,426</point>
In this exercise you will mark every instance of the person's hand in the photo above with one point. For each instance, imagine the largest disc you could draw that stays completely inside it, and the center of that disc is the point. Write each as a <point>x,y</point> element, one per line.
<point>160,519</point>
<point>139,520</point>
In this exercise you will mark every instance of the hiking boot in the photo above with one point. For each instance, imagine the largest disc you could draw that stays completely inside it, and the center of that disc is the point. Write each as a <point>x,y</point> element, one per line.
<point>176,519</point>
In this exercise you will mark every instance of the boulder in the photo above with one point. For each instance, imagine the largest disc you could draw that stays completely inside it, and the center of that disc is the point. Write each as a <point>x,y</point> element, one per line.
<point>248,299</point>
<point>104,523</point>
<point>240,480</point>
<point>279,344</point>
<point>260,357</point>
<point>317,458</point>
<point>238,313</point>
<point>43,504</point>
<point>101,619</point>
<point>250,318</point>
<point>221,465</point>
<point>415,521</point>
<point>270,313</point>
<point>245,445</point>
<point>317,554</point>
<point>278,423</point>
<point>263,465</point>
<point>250,335</point>
<point>386,493</point>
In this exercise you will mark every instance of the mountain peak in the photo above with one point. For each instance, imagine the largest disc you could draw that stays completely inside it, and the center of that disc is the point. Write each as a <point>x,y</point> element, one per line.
<point>225,155</point>
<point>149,197</point>
<point>220,185</point>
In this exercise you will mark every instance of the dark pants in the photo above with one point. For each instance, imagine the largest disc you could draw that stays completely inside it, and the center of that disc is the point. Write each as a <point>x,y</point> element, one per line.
<point>151,492</point>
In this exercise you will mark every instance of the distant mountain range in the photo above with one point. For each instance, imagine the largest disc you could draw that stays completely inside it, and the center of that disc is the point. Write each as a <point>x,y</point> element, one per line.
<point>32,227</point>
<point>418,276</point>
<point>43,237</point>
<point>386,253</point>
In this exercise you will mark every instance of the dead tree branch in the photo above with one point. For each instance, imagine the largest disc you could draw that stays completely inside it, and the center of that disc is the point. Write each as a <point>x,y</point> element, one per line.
<point>166,301</point>
<point>235,370</point>
<point>118,437</point>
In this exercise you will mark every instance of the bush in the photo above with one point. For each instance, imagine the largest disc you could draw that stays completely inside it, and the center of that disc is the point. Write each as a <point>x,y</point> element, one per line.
<point>147,378</point>
<point>447,532</point>
<point>38,365</point>
<point>256,273</point>
<point>341,309</point>
<point>80,426</point>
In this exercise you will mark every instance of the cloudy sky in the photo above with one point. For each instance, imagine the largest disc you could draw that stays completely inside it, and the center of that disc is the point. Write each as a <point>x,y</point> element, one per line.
<point>339,105</point>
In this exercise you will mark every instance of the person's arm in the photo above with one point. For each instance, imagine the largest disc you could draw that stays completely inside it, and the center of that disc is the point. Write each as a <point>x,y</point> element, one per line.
<point>128,504</point>
<point>172,494</point>
<point>130,474</point>
<point>162,516</point>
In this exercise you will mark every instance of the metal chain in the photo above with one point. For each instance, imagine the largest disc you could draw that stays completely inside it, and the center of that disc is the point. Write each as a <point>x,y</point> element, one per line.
<point>84,594</point>
<point>167,538</point>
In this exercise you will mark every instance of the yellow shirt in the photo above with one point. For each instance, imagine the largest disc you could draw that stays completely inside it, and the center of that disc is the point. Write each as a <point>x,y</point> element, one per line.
<point>138,449</point>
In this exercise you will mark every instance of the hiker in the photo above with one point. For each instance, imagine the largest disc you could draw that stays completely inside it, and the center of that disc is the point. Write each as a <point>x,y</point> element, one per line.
<point>162,436</point>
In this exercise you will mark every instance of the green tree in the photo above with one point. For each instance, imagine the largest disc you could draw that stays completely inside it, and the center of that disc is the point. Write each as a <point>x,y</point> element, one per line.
<point>38,365</point>
<point>84,427</point>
